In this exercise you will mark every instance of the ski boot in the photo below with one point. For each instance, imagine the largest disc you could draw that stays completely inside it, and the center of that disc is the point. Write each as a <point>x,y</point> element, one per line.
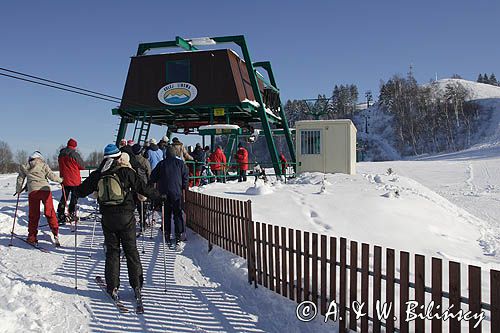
<point>56,241</point>
<point>61,219</point>
<point>114,294</point>
<point>138,299</point>
<point>32,240</point>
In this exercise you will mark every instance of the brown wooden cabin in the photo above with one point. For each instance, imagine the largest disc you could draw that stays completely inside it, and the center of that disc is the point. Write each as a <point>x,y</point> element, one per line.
<point>221,79</point>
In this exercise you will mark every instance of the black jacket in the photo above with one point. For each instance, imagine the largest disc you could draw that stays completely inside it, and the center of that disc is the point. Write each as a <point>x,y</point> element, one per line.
<point>131,182</point>
<point>172,176</point>
<point>199,155</point>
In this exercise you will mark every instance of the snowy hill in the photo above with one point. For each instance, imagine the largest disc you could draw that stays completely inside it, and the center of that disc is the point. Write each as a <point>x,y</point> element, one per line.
<point>380,139</point>
<point>478,90</point>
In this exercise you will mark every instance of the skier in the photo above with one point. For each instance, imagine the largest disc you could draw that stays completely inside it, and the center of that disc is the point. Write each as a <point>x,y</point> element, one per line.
<point>259,173</point>
<point>126,148</point>
<point>163,144</point>
<point>283,163</point>
<point>218,161</point>
<point>179,150</point>
<point>70,164</point>
<point>37,172</point>
<point>171,174</point>
<point>155,155</point>
<point>144,169</point>
<point>115,186</point>
<point>199,157</point>
<point>242,159</point>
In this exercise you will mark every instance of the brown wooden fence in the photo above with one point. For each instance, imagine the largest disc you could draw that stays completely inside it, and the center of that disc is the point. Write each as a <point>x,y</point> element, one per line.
<point>327,270</point>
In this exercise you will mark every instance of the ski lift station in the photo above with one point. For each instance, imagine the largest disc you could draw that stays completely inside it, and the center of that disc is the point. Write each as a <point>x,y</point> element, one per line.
<point>326,146</point>
<point>204,90</point>
<point>203,86</point>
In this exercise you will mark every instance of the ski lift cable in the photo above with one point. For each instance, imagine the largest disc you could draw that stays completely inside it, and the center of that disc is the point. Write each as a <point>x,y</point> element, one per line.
<point>74,89</point>
<point>60,88</point>
<point>58,83</point>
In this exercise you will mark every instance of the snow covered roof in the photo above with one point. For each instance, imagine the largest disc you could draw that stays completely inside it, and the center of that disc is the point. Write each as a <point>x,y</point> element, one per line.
<point>219,126</point>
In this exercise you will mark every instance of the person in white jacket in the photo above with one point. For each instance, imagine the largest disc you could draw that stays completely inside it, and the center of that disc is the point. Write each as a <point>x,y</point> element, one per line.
<point>37,173</point>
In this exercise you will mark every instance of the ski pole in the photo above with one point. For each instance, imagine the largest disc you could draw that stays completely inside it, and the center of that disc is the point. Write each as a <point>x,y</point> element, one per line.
<point>163,232</point>
<point>14,222</point>
<point>76,257</point>
<point>143,225</point>
<point>65,201</point>
<point>92,241</point>
<point>151,219</point>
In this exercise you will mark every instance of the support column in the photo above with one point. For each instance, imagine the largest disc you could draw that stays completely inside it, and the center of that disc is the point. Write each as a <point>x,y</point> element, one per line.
<point>122,130</point>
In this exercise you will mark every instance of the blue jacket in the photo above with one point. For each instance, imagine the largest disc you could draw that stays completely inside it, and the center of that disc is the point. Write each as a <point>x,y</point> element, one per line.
<point>172,176</point>
<point>155,155</point>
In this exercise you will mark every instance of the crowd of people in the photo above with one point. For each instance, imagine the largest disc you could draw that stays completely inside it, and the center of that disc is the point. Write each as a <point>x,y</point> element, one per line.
<point>128,175</point>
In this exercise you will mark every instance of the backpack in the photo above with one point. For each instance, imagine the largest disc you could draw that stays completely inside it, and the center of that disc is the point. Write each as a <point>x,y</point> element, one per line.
<point>110,190</point>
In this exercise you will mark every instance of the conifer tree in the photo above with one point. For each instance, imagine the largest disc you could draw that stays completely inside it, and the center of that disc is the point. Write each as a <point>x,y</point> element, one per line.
<point>493,80</point>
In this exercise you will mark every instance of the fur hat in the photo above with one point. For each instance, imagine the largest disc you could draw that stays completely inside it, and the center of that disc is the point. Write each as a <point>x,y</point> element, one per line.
<point>124,160</point>
<point>152,141</point>
<point>165,139</point>
<point>36,154</point>
<point>72,143</point>
<point>111,151</point>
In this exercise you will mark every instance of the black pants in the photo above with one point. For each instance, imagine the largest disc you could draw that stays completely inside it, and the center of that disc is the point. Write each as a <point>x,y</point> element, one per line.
<point>119,228</point>
<point>219,176</point>
<point>141,209</point>
<point>72,201</point>
<point>173,206</point>
<point>242,175</point>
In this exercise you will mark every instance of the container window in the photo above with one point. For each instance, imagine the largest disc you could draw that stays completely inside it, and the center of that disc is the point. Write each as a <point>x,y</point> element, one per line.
<point>310,142</point>
<point>178,71</point>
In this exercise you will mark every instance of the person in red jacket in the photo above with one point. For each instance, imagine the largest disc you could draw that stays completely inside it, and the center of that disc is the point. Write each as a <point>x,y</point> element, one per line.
<point>70,164</point>
<point>283,163</point>
<point>242,159</point>
<point>217,163</point>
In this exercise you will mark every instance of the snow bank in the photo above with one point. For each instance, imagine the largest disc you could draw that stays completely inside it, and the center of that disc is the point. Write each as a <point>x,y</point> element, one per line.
<point>390,210</point>
<point>260,188</point>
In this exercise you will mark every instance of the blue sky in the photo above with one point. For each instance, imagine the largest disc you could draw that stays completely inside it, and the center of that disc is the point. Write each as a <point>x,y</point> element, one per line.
<point>312,46</point>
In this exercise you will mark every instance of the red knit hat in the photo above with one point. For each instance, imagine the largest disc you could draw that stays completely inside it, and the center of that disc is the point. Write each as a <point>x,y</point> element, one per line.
<point>72,143</point>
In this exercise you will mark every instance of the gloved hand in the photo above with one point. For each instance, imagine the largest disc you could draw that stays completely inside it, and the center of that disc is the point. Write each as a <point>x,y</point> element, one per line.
<point>15,194</point>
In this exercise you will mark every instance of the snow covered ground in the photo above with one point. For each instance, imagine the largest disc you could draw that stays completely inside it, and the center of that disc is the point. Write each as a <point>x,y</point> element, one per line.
<point>389,210</point>
<point>206,292</point>
<point>445,206</point>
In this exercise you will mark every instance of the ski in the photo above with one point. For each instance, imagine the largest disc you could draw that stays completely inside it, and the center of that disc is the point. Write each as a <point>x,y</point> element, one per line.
<point>100,282</point>
<point>35,245</point>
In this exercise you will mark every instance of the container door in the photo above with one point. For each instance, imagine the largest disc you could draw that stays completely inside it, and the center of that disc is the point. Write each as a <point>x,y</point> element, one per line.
<point>311,150</point>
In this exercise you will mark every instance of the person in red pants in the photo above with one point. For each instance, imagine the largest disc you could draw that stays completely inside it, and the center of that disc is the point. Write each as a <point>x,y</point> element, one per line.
<point>241,157</point>
<point>36,171</point>
<point>283,163</point>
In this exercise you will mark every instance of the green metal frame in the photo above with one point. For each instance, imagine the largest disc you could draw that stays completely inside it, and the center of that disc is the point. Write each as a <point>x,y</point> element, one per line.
<point>166,116</point>
<point>266,65</point>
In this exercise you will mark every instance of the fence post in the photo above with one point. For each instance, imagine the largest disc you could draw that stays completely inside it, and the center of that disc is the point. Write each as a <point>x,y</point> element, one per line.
<point>250,244</point>
<point>210,204</point>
